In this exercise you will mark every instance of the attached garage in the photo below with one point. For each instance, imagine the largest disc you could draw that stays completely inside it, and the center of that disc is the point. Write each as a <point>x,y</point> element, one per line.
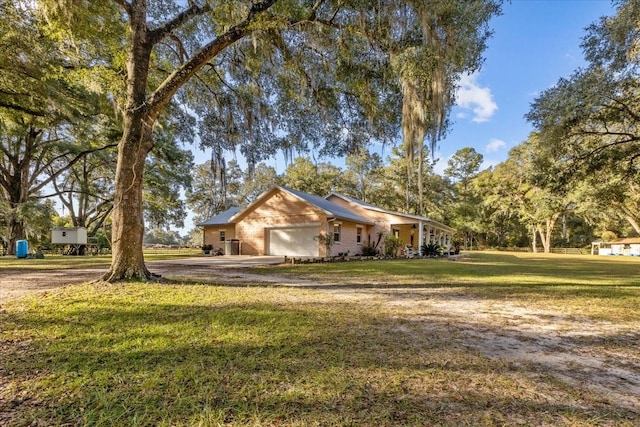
<point>293,241</point>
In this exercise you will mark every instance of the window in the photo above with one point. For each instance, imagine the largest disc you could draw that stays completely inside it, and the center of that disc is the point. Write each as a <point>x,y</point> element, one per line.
<point>396,233</point>
<point>222,235</point>
<point>336,232</point>
<point>359,235</point>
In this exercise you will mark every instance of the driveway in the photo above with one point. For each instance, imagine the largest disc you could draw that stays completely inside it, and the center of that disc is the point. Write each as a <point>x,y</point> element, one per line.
<point>225,261</point>
<point>15,283</point>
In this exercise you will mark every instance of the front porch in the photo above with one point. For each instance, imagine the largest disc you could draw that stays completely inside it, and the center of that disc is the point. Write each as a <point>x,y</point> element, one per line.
<point>424,231</point>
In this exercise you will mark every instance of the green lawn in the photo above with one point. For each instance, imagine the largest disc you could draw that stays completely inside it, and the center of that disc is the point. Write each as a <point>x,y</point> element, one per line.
<point>598,286</point>
<point>209,355</point>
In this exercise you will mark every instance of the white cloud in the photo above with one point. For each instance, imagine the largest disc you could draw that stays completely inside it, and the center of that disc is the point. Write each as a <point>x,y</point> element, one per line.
<point>476,98</point>
<point>495,145</point>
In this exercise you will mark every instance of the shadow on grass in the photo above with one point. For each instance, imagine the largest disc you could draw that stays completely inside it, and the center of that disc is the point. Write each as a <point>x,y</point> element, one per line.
<point>157,357</point>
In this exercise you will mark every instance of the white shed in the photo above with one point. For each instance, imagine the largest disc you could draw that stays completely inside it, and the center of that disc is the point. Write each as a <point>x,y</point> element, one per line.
<point>69,236</point>
<point>629,246</point>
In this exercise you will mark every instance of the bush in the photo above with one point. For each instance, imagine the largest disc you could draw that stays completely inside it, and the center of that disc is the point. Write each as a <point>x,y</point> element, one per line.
<point>391,245</point>
<point>369,250</point>
<point>431,250</point>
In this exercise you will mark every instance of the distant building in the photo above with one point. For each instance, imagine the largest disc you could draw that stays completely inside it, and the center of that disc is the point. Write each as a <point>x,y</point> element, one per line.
<point>628,246</point>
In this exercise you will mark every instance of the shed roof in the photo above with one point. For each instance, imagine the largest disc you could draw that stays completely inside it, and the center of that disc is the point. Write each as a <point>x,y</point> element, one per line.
<point>625,240</point>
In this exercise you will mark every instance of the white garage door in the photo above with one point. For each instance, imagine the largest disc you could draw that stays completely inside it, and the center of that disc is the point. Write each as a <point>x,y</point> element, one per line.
<point>294,241</point>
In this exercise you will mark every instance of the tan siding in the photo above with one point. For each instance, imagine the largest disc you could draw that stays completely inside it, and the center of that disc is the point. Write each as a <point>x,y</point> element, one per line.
<point>277,210</point>
<point>348,242</point>
<point>384,222</point>
<point>212,234</point>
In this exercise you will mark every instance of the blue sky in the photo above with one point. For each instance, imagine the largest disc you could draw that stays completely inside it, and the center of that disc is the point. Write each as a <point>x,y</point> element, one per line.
<point>535,42</point>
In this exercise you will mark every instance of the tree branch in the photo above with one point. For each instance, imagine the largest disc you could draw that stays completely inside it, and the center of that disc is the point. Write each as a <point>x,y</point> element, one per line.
<point>70,163</point>
<point>182,74</point>
<point>163,31</point>
<point>22,109</point>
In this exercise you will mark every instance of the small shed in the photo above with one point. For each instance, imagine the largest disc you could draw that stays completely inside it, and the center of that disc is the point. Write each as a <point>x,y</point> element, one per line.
<point>628,246</point>
<point>69,236</point>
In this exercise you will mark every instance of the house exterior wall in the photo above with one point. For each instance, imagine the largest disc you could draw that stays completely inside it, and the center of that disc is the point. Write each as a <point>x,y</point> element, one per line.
<point>348,238</point>
<point>386,223</point>
<point>211,234</point>
<point>382,223</point>
<point>279,209</point>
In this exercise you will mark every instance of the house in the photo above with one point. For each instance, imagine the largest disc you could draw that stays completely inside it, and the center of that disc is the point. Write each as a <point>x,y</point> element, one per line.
<point>283,221</point>
<point>629,246</point>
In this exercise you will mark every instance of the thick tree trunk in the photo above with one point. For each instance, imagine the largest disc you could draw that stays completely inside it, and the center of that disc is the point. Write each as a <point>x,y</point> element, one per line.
<point>141,113</point>
<point>16,232</point>
<point>128,222</point>
<point>127,262</point>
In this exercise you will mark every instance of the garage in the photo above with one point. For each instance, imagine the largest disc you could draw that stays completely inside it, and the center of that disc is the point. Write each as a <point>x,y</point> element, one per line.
<point>293,241</point>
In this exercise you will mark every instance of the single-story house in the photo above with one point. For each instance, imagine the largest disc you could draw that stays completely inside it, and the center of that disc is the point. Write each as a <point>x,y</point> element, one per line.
<point>283,221</point>
<point>629,246</point>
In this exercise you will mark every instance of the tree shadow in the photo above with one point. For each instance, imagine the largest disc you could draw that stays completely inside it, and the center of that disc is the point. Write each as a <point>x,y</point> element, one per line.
<point>124,360</point>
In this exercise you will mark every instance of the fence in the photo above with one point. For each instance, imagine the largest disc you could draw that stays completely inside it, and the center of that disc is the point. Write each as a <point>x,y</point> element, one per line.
<point>565,251</point>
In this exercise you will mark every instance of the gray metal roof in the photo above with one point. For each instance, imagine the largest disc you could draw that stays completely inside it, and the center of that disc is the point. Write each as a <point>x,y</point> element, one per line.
<point>222,218</point>
<point>376,208</point>
<point>329,207</point>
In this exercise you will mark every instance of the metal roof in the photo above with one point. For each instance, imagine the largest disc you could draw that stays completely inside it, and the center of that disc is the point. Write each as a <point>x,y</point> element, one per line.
<point>222,218</point>
<point>376,208</point>
<point>332,209</point>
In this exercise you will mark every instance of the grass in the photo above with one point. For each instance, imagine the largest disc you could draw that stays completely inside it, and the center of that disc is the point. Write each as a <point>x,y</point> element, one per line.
<point>71,262</point>
<point>606,288</point>
<point>209,355</point>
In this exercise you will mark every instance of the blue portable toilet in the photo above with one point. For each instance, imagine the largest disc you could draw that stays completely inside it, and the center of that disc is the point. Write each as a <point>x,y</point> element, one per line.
<point>22,247</point>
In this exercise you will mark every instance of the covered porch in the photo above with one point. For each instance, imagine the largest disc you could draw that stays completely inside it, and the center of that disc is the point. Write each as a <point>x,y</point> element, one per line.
<point>418,231</point>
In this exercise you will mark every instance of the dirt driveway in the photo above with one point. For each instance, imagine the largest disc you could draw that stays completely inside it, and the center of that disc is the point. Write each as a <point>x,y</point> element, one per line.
<point>16,283</point>
<point>594,355</point>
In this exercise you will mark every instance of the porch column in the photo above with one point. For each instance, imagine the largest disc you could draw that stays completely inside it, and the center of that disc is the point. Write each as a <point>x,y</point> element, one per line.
<point>420,234</point>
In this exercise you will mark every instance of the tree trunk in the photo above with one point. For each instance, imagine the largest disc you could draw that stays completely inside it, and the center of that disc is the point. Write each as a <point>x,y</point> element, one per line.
<point>127,262</point>
<point>16,232</point>
<point>534,238</point>
<point>633,223</point>
<point>128,223</point>
<point>545,236</point>
<point>546,232</point>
